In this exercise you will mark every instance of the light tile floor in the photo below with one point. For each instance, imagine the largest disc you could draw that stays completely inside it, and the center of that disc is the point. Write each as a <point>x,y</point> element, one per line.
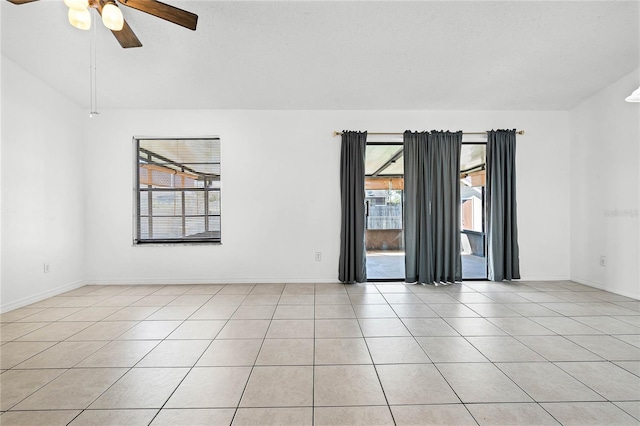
<point>526,353</point>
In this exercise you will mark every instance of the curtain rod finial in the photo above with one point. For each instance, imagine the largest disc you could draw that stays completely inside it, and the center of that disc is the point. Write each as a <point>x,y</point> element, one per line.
<point>521,132</point>
<point>336,133</point>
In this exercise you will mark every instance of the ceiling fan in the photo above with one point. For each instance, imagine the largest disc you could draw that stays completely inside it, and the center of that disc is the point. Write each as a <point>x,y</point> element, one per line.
<point>80,17</point>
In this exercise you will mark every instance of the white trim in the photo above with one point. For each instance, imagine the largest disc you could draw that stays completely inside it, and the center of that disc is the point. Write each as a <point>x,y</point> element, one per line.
<point>606,288</point>
<point>40,296</point>
<point>246,280</point>
<point>545,278</point>
<point>151,281</point>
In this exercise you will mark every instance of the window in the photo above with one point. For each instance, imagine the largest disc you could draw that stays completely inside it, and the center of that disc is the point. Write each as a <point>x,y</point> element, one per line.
<point>177,190</point>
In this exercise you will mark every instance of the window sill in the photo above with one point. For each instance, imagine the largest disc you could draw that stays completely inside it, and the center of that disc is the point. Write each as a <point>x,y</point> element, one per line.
<point>176,244</point>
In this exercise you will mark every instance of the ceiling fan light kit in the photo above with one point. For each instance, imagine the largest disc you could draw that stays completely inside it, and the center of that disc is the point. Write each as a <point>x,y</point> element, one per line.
<point>81,19</point>
<point>112,16</point>
<point>79,5</point>
<point>634,97</point>
<point>80,16</point>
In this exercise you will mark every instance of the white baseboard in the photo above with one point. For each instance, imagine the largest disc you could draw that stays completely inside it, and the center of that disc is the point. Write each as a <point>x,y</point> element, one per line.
<point>152,281</point>
<point>40,296</point>
<point>606,288</point>
<point>545,278</point>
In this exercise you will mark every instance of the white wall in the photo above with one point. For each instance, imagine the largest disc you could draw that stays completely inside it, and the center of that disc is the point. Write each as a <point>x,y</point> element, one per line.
<point>67,198</point>
<point>280,193</point>
<point>42,189</point>
<point>0,170</point>
<point>605,140</point>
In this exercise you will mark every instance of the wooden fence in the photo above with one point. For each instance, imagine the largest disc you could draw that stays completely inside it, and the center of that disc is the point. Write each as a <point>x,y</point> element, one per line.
<point>385,217</point>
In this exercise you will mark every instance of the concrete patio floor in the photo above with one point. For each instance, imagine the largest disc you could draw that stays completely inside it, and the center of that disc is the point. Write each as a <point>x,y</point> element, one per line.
<point>390,265</point>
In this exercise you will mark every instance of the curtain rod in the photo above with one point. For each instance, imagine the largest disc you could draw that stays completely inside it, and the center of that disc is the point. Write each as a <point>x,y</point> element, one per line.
<point>336,133</point>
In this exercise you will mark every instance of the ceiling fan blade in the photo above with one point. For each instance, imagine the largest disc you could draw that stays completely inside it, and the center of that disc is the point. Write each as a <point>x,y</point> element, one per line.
<point>164,11</point>
<point>21,1</point>
<point>126,37</point>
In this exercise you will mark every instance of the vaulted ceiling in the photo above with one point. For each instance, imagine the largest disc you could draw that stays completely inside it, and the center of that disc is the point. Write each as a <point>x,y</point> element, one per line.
<point>544,55</point>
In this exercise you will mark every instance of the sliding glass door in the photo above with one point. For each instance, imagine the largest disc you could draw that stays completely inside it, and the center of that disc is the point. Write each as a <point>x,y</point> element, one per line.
<point>472,210</point>
<point>384,198</point>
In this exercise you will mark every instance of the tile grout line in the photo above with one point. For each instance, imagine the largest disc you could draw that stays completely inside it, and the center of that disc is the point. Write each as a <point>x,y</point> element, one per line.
<point>127,369</point>
<point>384,394</point>
<point>508,335</point>
<point>50,347</point>
<point>443,376</point>
<point>512,380</point>
<point>436,367</point>
<point>194,364</point>
<point>246,384</point>
<point>551,362</point>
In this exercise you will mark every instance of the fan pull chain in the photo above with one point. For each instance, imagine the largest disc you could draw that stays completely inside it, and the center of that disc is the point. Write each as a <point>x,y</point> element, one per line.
<point>93,107</point>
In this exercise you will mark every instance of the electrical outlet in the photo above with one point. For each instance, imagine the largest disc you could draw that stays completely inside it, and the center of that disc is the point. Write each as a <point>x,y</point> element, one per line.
<point>318,256</point>
<point>603,260</point>
<point>46,268</point>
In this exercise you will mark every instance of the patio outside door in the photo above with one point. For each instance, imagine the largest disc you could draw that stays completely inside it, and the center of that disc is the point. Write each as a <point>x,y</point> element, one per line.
<point>384,197</point>
<point>473,245</point>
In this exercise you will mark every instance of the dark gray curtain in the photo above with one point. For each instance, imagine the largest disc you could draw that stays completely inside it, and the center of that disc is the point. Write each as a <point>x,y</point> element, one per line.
<point>417,196</point>
<point>432,206</point>
<point>502,228</point>
<point>353,256</point>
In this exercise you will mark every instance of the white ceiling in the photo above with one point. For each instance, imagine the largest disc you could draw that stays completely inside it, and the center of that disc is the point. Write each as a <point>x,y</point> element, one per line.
<point>522,55</point>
